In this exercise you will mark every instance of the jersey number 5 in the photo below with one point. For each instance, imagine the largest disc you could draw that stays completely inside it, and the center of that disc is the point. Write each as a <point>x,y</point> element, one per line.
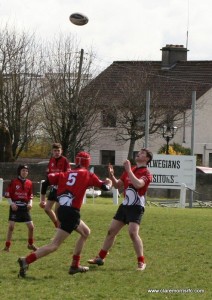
<point>71,179</point>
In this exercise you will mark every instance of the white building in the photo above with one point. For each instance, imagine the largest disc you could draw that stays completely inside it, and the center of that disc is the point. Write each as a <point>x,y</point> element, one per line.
<point>171,82</point>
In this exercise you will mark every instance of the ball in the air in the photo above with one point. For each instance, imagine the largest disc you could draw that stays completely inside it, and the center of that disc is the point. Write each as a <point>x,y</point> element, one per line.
<point>78,19</point>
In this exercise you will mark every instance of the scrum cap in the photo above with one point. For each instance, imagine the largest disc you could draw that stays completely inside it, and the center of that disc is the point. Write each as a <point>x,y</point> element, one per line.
<point>20,167</point>
<point>83,159</point>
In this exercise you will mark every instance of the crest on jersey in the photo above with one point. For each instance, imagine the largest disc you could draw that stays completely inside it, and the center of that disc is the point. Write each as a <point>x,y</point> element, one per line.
<point>66,199</point>
<point>131,197</point>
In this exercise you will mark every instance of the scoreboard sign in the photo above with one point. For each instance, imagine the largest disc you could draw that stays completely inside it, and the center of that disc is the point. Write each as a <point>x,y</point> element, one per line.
<point>170,171</point>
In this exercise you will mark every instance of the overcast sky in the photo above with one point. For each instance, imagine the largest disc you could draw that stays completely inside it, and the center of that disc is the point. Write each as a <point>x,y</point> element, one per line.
<point>119,29</point>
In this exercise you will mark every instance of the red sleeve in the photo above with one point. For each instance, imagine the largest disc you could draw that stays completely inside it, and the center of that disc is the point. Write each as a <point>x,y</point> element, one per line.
<point>147,177</point>
<point>53,178</point>
<point>95,181</point>
<point>123,175</point>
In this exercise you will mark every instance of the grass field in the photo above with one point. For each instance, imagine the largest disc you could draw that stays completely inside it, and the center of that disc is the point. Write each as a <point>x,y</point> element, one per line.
<point>178,251</point>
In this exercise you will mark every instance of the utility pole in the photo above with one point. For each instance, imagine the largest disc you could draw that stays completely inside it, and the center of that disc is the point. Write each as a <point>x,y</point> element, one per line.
<point>147,119</point>
<point>78,81</point>
<point>79,74</point>
<point>193,107</point>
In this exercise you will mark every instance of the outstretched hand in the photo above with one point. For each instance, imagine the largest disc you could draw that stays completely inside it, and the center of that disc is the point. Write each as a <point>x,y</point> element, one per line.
<point>127,165</point>
<point>110,170</point>
<point>108,181</point>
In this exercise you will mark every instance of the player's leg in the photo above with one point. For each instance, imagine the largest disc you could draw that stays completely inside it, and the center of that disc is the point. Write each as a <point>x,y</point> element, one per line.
<point>49,211</point>
<point>133,230</point>
<point>84,232</point>
<point>11,226</point>
<point>134,215</point>
<point>113,230</point>
<point>58,239</point>
<point>24,262</point>
<point>137,244</point>
<point>30,227</point>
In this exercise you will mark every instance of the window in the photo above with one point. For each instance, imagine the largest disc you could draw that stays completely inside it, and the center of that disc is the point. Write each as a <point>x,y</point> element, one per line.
<point>199,159</point>
<point>210,160</point>
<point>107,156</point>
<point>108,118</point>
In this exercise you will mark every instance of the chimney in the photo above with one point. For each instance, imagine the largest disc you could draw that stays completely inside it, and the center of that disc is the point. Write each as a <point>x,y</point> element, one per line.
<point>172,54</point>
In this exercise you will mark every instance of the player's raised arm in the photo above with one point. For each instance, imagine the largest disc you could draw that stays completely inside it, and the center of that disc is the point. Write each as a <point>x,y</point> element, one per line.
<point>117,183</point>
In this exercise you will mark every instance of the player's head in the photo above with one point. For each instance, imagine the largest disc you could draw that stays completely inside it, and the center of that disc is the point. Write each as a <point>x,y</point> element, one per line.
<point>148,154</point>
<point>57,150</point>
<point>22,170</point>
<point>83,159</point>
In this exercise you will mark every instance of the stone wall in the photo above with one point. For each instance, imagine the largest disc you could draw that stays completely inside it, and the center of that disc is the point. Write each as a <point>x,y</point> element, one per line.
<point>37,172</point>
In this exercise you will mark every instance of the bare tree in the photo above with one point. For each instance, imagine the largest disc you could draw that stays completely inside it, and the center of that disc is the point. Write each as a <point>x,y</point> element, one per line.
<point>5,145</point>
<point>132,107</point>
<point>19,77</point>
<point>69,113</point>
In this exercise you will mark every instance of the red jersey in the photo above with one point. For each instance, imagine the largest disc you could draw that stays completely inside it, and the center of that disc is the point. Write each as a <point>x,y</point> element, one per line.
<point>72,185</point>
<point>59,164</point>
<point>132,195</point>
<point>19,190</point>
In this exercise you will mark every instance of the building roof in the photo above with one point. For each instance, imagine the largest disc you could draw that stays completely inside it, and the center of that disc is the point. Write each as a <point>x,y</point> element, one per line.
<point>173,83</point>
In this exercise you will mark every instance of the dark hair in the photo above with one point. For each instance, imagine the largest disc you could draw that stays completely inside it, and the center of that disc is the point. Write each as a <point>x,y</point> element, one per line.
<point>148,154</point>
<point>20,167</point>
<point>56,146</point>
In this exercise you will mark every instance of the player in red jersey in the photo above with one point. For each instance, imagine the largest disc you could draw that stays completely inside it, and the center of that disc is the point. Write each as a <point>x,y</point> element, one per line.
<point>19,194</point>
<point>72,186</point>
<point>57,163</point>
<point>135,181</point>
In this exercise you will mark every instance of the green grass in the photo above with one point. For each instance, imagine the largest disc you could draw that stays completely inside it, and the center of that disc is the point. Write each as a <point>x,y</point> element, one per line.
<point>177,244</point>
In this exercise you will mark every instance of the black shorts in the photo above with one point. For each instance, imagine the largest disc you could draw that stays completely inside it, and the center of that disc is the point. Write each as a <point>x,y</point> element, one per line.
<point>52,194</point>
<point>69,218</point>
<point>21,215</point>
<point>129,213</point>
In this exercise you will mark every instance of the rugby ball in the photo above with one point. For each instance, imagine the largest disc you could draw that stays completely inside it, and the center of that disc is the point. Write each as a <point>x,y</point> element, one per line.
<point>78,19</point>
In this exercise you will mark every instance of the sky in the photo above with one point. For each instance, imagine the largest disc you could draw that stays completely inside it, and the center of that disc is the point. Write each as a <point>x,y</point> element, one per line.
<point>118,30</point>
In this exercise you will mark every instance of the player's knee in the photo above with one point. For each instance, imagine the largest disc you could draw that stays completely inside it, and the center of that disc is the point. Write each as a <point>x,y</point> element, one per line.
<point>54,247</point>
<point>133,235</point>
<point>86,232</point>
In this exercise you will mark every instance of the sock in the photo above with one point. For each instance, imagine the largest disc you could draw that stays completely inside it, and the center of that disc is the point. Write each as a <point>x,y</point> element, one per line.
<point>141,259</point>
<point>31,258</point>
<point>30,241</point>
<point>7,244</point>
<point>102,253</point>
<point>75,261</point>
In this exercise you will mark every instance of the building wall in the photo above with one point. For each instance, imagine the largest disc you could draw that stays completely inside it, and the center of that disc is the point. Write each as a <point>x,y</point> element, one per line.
<point>203,136</point>
<point>202,129</point>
